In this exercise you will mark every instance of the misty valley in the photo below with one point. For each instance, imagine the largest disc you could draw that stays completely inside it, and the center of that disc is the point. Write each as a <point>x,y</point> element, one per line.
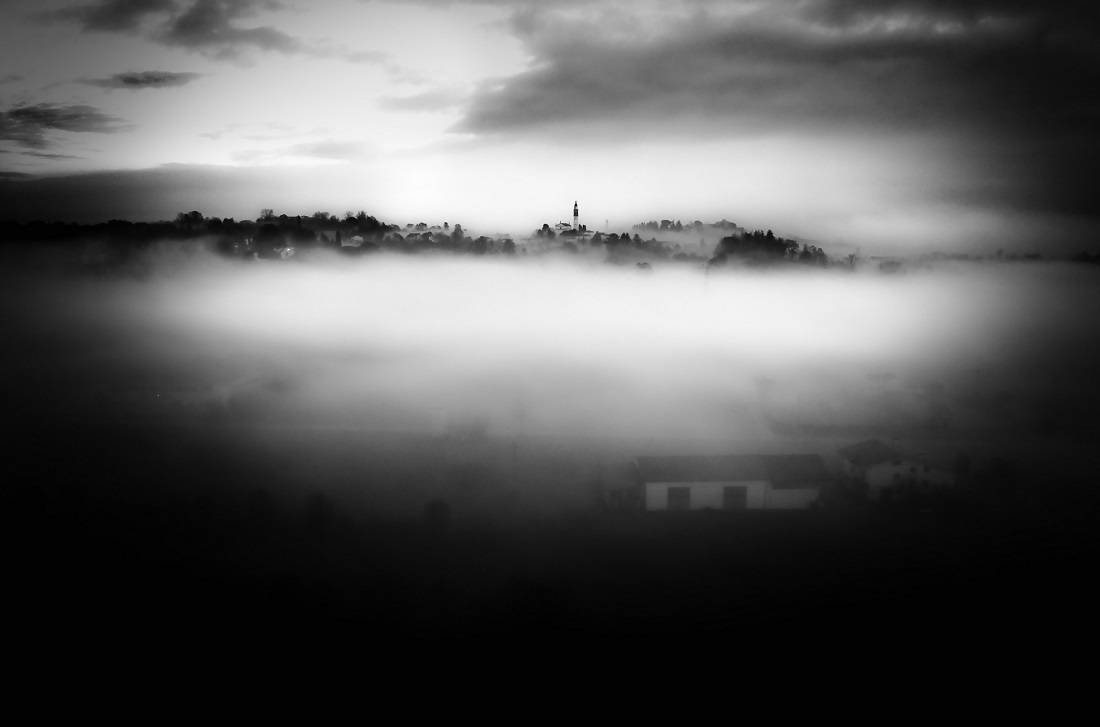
<point>394,447</point>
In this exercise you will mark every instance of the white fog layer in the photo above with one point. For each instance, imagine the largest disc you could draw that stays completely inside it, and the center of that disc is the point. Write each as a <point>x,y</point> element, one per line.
<point>553,347</point>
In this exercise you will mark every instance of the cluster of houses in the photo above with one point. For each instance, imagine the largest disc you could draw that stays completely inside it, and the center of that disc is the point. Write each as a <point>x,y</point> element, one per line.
<point>774,482</point>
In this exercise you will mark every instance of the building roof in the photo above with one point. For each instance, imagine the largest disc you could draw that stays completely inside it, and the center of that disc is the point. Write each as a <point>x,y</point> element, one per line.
<point>868,453</point>
<point>780,470</point>
<point>795,469</point>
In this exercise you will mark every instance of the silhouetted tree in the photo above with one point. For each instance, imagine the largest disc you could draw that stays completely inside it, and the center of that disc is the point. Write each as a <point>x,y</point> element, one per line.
<point>304,236</point>
<point>267,239</point>
<point>755,247</point>
<point>189,222</point>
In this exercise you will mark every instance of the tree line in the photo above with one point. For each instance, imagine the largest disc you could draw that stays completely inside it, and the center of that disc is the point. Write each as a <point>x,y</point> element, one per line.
<point>762,248</point>
<point>268,236</point>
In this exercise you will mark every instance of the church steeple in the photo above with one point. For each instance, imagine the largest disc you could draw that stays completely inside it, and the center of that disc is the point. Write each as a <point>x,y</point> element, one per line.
<point>576,217</point>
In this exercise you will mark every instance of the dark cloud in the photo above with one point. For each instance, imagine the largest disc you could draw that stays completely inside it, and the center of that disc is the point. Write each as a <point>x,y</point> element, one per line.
<point>511,4</point>
<point>143,79</point>
<point>119,16</point>
<point>211,26</point>
<point>13,175</point>
<point>1015,79</point>
<point>1048,14</point>
<point>29,126</point>
<point>49,155</point>
<point>216,28</point>
<point>11,78</point>
<point>764,72</point>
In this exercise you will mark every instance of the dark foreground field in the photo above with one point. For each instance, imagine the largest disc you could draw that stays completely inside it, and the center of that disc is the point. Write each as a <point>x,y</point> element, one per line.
<point>159,536</point>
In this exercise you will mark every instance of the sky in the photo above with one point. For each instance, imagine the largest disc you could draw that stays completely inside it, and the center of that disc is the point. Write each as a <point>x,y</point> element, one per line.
<point>967,125</point>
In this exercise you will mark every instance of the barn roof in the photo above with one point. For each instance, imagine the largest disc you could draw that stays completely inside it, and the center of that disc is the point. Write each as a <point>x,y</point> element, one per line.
<point>867,453</point>
<point>701,469</point>
<point>787,469</point>
<point>794,468</point>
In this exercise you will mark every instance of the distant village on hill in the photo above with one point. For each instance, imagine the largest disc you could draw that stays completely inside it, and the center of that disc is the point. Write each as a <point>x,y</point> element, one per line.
<point>715,245</point>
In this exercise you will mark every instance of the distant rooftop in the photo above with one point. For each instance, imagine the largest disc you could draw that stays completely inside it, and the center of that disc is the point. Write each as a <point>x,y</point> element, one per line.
<point>778,469</point>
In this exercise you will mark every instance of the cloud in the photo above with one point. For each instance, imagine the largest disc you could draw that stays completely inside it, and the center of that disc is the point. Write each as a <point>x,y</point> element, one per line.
<point>10,78</point>
<point>14,175</point>
<point>285,133</point>
<point>270,131</point>
<point>1010,83</point>
<point>396,71</point>
<point>48,155</point>
<point>215,135</point>
<point>764,70</point>
<point>1050,13</point>
<point>143,79</point>
<point>214,28</point>
<point>336,150</point>
<point>29,126</point>
<point>210,26</point>
<point>438,100</point>
<point>118,16</point>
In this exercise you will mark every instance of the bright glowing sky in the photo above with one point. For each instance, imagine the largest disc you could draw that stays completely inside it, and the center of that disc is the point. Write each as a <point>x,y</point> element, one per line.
<point>966,124</point>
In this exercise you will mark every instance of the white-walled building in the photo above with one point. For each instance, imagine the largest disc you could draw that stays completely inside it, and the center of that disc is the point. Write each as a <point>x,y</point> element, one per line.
<point>566,227</point>
<point>889,474</point>
<point>731,482</point>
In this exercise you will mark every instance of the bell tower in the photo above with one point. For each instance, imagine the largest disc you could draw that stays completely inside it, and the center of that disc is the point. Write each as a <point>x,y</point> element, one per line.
<point>576,217</point>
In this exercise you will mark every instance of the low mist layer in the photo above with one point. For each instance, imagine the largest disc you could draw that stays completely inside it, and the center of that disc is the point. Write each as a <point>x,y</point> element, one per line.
<point>555,347</point>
